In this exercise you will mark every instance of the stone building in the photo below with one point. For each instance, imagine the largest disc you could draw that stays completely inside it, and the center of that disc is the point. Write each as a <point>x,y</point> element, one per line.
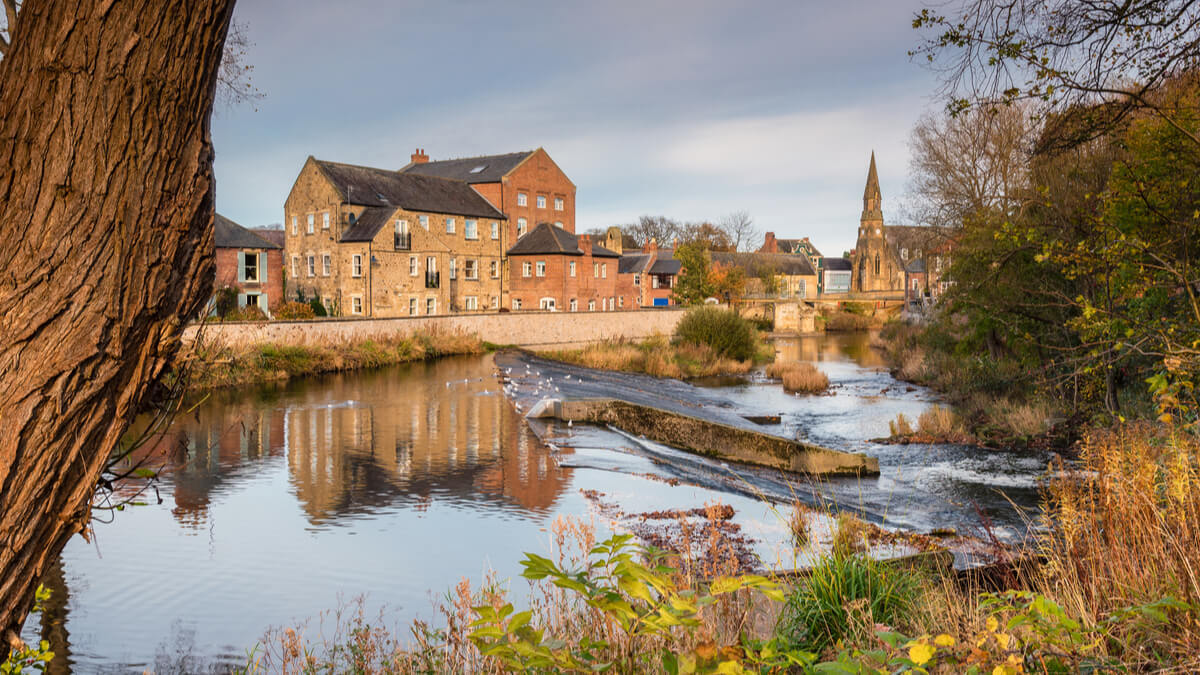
<point>249,264</point>
<point>377,242</point>
<point>883,252</point>
<point>553,269</point>
<point>792,276</point>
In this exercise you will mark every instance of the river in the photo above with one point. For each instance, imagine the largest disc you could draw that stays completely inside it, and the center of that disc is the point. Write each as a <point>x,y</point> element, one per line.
<point>279,503</point>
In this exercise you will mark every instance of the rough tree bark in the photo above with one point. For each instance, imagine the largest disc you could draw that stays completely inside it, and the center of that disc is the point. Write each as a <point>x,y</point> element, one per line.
<point>106,205</point>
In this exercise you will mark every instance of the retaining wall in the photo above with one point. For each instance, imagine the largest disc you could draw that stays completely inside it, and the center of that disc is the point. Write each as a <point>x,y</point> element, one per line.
<point>525,329</point>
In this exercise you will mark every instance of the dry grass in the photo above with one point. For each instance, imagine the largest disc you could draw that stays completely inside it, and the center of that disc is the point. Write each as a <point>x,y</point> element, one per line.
<point>841,322</point>
<point>211,367</point>
<point>799,377</point>
<point>656,356</point>
<point>1020,419</point>
<point>850,535</point>
<point>900,426</point>
<point>939,422</point>
<point>798,524</point>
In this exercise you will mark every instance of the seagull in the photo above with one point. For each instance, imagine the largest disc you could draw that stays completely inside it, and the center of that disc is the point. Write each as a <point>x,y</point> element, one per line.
<point>570,423</point>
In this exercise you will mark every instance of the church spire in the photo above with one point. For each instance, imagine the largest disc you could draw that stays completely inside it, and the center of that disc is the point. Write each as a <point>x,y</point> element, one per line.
<point>872,198</point>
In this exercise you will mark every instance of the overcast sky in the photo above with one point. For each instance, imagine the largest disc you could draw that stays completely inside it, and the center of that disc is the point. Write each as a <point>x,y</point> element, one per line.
<point>690,109</point>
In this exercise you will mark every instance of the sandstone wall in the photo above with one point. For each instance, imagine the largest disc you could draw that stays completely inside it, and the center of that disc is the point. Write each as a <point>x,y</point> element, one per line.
<point>526,329</point>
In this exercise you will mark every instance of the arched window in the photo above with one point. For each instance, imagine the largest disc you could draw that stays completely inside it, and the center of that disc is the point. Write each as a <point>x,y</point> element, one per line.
<point>876,264</point>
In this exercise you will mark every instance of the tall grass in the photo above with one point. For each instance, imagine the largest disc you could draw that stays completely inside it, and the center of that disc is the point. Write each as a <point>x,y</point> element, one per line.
<point>656,356</point>
<point>799,377</point>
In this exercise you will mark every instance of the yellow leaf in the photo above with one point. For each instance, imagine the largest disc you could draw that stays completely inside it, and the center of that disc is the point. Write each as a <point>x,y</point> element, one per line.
<point>920,653</point>
<point>992,624</point>
<point>943,640</point>
<point>1003,639</point>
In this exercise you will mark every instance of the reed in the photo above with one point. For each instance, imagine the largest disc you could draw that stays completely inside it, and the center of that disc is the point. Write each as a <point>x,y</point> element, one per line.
<point>799,377</point>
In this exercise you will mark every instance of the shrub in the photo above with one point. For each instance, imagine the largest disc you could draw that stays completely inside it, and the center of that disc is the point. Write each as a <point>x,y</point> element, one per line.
<point>799,377</point>
<point>294,311</point>
<point>845,596</point>
<point>728,334</point>
<point>225,300</point>
<point>247,313</point>
<point>318,308</point>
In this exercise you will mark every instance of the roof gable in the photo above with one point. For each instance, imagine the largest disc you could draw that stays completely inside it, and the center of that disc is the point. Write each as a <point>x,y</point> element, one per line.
<point>371,187</point>
<point>546,239</point>
<point>483,169</point>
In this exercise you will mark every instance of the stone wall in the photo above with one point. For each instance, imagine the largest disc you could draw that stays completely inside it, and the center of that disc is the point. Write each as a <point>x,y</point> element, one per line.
<point>526,329</point>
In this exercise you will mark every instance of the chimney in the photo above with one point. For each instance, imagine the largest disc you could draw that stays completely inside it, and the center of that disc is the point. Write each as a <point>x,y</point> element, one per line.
<point>769,245</point>
<point>585,244</point>
<point>419,157</point>
<point>651,246</point>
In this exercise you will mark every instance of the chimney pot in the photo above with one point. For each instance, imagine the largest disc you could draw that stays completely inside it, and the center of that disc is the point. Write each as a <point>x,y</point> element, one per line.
<point>419,157</point>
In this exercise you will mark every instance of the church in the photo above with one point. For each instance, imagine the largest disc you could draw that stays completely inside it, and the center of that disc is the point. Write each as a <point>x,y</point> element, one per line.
<point>884,252</point>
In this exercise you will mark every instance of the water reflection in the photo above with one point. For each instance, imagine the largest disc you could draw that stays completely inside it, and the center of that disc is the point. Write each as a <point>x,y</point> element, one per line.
<point>854,347</point>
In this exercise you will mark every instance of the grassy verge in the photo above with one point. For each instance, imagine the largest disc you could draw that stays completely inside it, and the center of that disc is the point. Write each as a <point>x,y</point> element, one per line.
<point>656,356</point>
<point>210,367</point>
<point>1114,590</point>
<point>993,401</point>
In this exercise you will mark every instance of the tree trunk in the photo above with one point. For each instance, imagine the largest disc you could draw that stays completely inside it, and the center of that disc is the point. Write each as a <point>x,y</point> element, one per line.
<point>106,206</point>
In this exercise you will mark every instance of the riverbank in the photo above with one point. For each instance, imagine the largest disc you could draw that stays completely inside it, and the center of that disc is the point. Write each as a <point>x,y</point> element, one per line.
<point>657,356</point>
<point>216,367</point>
<point>993,404</point>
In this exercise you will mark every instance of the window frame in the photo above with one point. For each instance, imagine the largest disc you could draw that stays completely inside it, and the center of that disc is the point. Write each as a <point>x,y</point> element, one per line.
<point>558,203</point>
<point>356,299</point>
<point>310,228</point>
<point>326,264</point>
<point>539,268</point>
<point>471,269</point>
<point>495,229</point>
<point>470,229</point>
<point>522,199</point>
<point>451,225</point>
<point>526,270</point>
<point>541,201</point>
<point>311,264</point>
<point>356,266</point>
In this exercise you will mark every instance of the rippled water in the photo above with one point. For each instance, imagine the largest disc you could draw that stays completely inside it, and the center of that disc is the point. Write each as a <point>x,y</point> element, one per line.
<point>283,502</point>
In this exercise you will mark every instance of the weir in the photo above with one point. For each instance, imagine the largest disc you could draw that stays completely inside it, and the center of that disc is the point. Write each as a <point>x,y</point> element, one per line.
<point>710,438</point>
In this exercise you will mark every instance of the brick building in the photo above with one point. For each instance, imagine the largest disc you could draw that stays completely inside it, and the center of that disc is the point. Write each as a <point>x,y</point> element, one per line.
<point>553,269</point>
<point>377,242</point>
<point>652,273</point>
<point>248,263</point>
<point>793,276</point>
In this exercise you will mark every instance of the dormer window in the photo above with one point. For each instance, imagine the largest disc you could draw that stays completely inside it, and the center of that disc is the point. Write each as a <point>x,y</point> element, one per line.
<point>479,168</point>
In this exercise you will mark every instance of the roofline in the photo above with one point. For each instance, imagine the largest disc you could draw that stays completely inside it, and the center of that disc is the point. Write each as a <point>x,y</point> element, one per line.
<point>500,214</point>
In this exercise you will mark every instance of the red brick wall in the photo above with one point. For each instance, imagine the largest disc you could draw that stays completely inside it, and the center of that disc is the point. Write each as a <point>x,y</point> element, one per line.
<point>558,283</point>
<point>538,175</point>
<point>227,274</point>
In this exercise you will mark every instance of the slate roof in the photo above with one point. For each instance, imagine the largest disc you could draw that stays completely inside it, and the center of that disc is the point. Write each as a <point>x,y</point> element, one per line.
<point>666,266</point>
<point>275,235</point>
<point>916,267</point>
<point>838,265</point>
<point>229,234</point>
<point>754,263</point>
<point>368,186</point>
<point>546,239</point>
<point>633,263</point>
<point>484,169</point>
<point>368,224</point>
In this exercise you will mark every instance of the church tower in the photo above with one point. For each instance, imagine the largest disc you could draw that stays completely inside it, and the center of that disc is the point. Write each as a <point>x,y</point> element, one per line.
<point>873,265</point>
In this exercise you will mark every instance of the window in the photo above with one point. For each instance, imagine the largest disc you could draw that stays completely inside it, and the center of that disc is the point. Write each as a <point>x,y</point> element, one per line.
<point>876,263</point>
<point>295,226</point>
<point>526,269</point>
<point>621,301</point>
<point>516,303</point>
<point>521,227</point>
<point>325,220</point>
<point>654,281</point>
<point>495,230</point>
<point>252,299</point>
<point>612,303</point>
<point>541,201</point>
<point>431,305</point>
<point>449,226</point>
<point>310,223</point>
<point>574,305</point>
<point>937,264</point>
<point>414,266</point>
<point>471,268</point>
<point>249,267</point>
<point>571,267</point>
<point>904,254</point>
<point>424,220</point>
<point>522,200</point>
<point>312,265</point>
<point>917,254</point>
<point>326,263</point>
<point>591,305</point>
<point>802,291</point>
<point>637,280</point>
<point>471,302</point>
<point>401,240</point>
<point>356,304</point>
<point>356,265</point>
<point>412,306</point>
<point>495,302</point>
<point>295,266</point>
<point>541,268</point>
<point>595,270</point>
<point>604,271</point>
<point>558,204</point>
<point>558,224</point>
<point>494,268</point>
<point>470,229</point>
<point>547,303</point>
<point>454,268</point>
